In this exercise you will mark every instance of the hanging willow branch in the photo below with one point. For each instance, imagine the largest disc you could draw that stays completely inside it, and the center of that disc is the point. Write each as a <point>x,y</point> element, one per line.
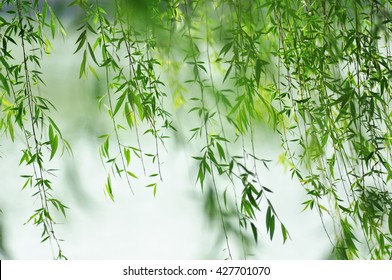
<point>30,111</point>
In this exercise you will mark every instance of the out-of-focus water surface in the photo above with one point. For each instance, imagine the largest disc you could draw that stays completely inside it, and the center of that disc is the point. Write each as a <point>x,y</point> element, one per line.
<point>170,226</point>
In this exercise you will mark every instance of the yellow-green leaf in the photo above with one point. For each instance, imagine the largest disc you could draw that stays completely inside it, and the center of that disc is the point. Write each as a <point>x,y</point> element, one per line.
<point>54,145</point>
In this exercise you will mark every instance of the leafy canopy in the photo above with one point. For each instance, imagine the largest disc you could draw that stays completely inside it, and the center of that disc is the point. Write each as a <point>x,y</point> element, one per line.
<point>317,72</point>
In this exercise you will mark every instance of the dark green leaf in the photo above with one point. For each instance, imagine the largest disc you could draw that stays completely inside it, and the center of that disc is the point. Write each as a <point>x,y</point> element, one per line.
<point>254,231</point>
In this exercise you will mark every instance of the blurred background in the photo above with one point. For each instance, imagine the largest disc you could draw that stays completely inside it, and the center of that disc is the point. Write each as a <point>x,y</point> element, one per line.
<point>172,225</point>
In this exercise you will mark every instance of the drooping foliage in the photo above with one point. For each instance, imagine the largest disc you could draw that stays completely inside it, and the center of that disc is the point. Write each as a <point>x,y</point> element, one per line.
<point>317,72</point>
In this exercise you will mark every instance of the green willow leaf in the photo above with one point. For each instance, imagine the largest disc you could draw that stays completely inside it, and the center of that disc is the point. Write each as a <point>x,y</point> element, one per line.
<point>254,231</point>
<point>108,188</point>
<point>54,145</point>
<point>82,70</point>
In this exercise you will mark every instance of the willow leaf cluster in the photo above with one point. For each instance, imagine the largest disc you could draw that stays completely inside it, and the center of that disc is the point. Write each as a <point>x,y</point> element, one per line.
<point>25,112</point>
<point>217,74</point>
